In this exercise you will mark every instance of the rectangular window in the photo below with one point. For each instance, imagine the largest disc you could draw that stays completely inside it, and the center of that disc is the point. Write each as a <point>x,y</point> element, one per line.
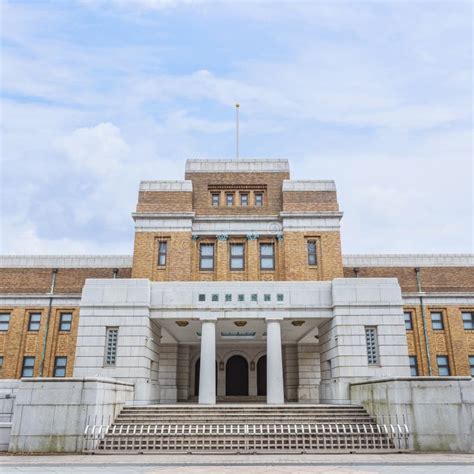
<point>237,256</point>
<point>267,257</point>
<point>244,199</point>
<point>28,367</point>
<point>65,321</point>
<point>240,298</point>
<point>111,336</point>
<point>229,199</point>
<point>162,253</point>
<point>1,362</point>
<point>413,366</point>
<point>471,365</point>
<point>4,321</point>
<point>372,345</point>
<point>215,197</point>
<point>60,366</point>
<point>312,260</point>
<point>206,259</point>
<point>443,365</point>
<point>259,199</point>
<point>34,322</point>
<point>437,320</point>
<point>468,320</point>
<point>408,320</point>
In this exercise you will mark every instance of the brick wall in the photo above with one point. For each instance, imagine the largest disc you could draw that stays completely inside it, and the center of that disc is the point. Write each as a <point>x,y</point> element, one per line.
<point>18,342</point>
<point>453,341</point>
<point>165,201</point>
<point>309,201</point>
<point>433,279</point>
<point>38,280</point>
<point>202,199</point>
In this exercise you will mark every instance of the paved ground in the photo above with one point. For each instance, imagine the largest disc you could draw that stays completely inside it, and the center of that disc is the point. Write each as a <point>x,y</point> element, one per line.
<point>249,464</point>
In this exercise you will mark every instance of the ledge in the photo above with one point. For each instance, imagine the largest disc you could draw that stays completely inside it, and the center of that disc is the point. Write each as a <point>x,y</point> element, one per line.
<point>77,379</point>
<point>413,379</point>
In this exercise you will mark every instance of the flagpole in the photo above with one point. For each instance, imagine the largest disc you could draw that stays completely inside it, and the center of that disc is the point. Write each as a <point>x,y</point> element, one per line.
<point>237,130</point>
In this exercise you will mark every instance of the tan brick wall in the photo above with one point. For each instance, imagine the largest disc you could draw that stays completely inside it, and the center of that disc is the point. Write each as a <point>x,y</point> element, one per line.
<point>38,280</point>
<point>18,342</point>
<point>453,341</point>
<point>449,279</point>
<point>328,253</point>
<point>165,201</point>
<point>145,256</point>
<point>309,201</point>
<point>201,194</point>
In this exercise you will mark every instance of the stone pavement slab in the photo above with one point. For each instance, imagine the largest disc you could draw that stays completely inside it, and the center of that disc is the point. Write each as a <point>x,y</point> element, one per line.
<point>428,463</point>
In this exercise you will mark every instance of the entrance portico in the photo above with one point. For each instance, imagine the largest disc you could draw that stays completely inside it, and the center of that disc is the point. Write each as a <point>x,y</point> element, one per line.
<point>313,335</point>
<point>239,359</point>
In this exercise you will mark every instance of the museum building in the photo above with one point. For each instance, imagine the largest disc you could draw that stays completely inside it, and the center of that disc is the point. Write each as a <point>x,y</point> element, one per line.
<point>237,291</point>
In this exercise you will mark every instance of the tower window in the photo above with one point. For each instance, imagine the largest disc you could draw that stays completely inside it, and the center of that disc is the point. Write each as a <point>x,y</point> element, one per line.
<point>244,199</point>
<point>162,253</point>
<point>215,198</point>
<point>237,256</point>
<point>259,199</point>
<point>312,257</point>
<point>267,257</point>
<point>206,260</point>
<point>229,199</point>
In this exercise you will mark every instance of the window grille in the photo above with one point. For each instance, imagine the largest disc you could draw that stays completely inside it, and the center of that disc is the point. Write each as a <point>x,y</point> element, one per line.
<point>111,346</point>
<point>372,345</point>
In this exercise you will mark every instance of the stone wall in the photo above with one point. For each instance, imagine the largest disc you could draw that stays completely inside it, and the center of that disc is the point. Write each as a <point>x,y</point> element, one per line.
<point>8,390</point>
<point>439,410</point>
<point>50,414</point>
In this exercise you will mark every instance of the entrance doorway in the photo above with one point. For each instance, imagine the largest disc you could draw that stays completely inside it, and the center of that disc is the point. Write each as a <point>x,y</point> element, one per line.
<point>262,376</point>
<point>237,376</point>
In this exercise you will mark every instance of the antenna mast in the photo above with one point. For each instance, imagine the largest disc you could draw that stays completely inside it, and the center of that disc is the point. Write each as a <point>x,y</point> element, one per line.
<point>237,106</point>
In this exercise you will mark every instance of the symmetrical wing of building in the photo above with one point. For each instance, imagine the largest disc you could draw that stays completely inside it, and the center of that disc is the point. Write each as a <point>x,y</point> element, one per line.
<point>237,290</point>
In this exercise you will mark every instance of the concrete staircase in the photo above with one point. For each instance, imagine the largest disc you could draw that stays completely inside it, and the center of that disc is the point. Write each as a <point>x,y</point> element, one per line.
<point>249,428</point>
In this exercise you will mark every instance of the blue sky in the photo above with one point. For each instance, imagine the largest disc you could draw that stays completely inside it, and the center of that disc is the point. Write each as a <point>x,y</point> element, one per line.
<point>99,94</point>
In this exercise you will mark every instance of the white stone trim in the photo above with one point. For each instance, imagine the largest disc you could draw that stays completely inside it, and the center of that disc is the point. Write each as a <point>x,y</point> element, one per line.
<point>409,260</point>
<point>38,300</point>
<point>65,261</point>
<point>247,225</point>
<point>440,299</point>
<point>308,185</point>
<point>165,222</point>
<point>166,186</point>
<point>237,166</point>
<point>312,222</point>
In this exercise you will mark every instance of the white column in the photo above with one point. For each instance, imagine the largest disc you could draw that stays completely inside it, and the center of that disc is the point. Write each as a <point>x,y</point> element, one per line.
<point>207,374</point>
<point>274,363</point>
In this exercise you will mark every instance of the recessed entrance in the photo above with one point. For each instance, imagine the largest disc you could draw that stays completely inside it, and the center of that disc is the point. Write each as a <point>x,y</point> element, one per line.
<point>237,376</point>
<point>262,376</point>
